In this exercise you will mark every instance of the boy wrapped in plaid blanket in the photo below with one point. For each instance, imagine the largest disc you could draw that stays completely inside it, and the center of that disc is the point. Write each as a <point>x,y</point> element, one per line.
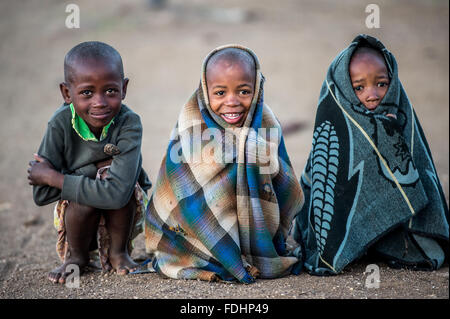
<point>226,192</point>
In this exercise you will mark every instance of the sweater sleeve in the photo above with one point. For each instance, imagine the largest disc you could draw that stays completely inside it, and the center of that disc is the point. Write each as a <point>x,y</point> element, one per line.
<point>115,191</point>
<point>51,149</point>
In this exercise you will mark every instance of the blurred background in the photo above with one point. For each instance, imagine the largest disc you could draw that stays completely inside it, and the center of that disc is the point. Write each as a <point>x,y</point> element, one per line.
<point>163,44</point>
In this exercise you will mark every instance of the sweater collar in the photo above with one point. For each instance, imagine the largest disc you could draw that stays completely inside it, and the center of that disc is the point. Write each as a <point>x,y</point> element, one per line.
<point>82,129</point>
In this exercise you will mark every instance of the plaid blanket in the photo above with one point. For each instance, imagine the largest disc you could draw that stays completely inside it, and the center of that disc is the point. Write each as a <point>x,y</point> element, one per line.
<point>225,197</point>
<point>370,180</point>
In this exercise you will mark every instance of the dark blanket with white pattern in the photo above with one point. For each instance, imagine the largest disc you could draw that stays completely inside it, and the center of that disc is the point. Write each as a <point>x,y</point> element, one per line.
<point>370,180</point>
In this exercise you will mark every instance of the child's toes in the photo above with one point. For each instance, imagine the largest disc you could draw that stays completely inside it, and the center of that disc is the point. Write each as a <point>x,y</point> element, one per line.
<point>55,275</point>
<point>62,279</point>
<point>123,264</point>
<point>122,271</point>
<point>126,270</point>
<point>132,269</point>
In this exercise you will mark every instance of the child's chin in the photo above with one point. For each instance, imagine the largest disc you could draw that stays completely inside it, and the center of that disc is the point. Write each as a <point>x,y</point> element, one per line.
<point>371,107</point>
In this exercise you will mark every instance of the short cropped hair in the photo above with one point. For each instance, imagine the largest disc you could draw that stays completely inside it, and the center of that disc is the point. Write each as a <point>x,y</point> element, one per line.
<point>232,55</point>
<point>367,48</point>
<point>94,50</point>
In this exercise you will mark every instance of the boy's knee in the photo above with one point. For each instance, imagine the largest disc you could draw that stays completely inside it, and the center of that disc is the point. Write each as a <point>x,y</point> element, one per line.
<point>129,207</point>
<point>82,210</point>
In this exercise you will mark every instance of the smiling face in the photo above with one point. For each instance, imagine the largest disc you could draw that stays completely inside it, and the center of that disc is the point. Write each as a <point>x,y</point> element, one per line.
<point>231,86</point>
<point>369,77</point>
<point>96,89</point>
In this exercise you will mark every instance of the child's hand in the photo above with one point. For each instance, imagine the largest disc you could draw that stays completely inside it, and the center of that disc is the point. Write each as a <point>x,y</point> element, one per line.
<point>40,171</point>
<point>392,116</point>
<point>102,164</point>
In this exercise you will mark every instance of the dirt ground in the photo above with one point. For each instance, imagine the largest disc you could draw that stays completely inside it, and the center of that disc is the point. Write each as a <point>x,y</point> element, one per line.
<point>162,52</point>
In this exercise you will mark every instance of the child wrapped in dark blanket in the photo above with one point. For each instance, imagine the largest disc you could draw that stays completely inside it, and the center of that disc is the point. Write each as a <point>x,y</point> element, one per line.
<point>370,181</point>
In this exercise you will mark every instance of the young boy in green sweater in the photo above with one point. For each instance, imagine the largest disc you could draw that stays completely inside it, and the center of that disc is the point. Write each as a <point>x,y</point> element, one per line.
<point>90,162</point>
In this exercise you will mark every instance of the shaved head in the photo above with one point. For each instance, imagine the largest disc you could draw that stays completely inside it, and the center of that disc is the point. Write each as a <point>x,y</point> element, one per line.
<point>231,56</point>
<point>363,50</point>
<point>91,51</point>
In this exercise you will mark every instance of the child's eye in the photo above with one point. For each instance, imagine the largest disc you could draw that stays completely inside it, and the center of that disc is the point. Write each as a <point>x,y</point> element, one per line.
<point>382,84</point>
<point>86,92</point>
<point>111,91</point>
<point>220,93</point>
<point>245,92</point>
<point>358,88</point>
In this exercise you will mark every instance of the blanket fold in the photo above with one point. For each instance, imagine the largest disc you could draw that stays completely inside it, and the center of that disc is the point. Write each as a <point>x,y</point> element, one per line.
<point>370,180</point>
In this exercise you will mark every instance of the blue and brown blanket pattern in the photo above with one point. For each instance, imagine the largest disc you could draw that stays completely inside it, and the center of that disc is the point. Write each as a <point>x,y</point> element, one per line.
<point>210,217</point>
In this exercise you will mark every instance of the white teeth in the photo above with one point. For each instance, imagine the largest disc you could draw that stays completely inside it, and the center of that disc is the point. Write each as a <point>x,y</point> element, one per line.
<point>232,116</point>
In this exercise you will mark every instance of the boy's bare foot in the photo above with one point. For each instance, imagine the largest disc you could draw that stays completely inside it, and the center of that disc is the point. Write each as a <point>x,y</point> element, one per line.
<point>119,223</point>
<point>122,263</point>
<point>60,274</point>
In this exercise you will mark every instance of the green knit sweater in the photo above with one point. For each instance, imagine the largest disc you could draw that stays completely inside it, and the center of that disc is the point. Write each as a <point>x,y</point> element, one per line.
<point>76,158</point>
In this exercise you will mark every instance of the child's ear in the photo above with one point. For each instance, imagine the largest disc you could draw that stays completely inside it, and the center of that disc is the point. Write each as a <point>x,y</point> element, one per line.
<point>63,87</point>
<point>124,87</point>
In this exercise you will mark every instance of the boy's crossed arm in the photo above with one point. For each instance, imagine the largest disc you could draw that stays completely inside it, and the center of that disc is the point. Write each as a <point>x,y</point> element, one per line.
<point>42,172</point>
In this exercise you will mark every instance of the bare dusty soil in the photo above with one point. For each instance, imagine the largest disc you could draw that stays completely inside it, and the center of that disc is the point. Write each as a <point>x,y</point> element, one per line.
<point>162,52</point>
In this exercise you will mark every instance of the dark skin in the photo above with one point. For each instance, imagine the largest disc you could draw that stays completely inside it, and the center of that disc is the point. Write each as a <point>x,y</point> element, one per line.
<point>96,90</point>
<point>370,80</point>
<point>231,86</point>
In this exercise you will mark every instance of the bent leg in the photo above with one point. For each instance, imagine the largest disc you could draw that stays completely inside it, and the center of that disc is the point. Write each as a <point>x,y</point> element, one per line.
<point>119,224</point>
<point>81,226</point>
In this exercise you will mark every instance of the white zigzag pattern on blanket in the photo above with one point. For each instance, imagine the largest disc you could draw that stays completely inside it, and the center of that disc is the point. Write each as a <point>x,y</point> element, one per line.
<point>324,173</point>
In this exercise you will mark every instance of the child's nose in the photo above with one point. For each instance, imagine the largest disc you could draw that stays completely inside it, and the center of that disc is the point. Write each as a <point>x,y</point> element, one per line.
<point>231,100</point>
<point>99,100</point>
<point>372,94</point>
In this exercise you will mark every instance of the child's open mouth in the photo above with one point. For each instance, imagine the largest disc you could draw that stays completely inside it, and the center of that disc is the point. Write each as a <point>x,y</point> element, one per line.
<point>232,118</point>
